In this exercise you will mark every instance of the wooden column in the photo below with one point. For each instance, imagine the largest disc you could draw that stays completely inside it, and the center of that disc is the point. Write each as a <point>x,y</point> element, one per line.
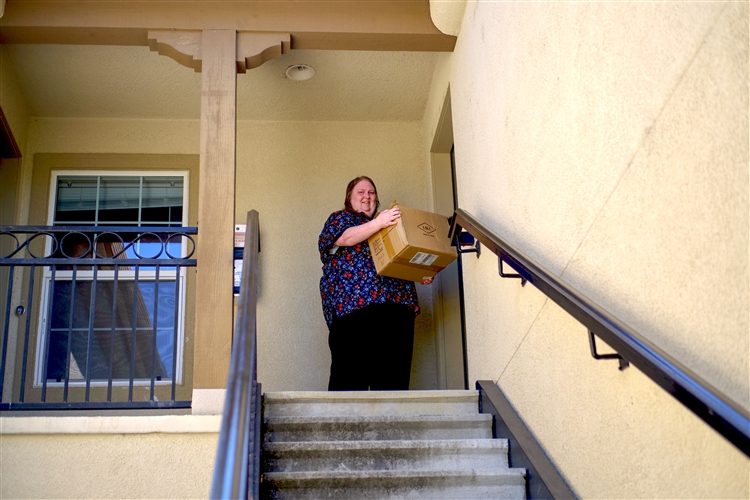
<point>214,311</point>
<point>218,55</point>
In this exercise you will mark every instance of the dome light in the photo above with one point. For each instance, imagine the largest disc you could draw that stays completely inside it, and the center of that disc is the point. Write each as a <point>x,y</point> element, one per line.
<point>300,72</point>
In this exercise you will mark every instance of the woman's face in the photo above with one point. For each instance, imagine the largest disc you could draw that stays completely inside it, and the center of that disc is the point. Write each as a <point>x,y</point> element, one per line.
<point>363,198</point>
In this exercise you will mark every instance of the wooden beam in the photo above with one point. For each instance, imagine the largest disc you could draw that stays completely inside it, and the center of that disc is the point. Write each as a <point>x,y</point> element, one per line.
<point>215,299</point>
<point>312,24</point>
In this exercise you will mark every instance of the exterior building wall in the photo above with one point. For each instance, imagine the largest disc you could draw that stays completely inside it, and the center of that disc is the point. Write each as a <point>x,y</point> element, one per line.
<point>609,141</point>
<point>108,457</point>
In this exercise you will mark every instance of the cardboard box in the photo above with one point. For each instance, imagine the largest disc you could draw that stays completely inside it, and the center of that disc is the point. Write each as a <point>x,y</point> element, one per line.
<point>416,248</point>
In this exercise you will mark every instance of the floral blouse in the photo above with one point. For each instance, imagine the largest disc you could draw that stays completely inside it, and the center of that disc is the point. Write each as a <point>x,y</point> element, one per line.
<point>349,280</point>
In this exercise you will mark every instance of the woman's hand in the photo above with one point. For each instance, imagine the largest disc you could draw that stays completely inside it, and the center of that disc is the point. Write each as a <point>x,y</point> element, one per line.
<point>357,234</point>
<point>428,281</point>
<point>388,217</point>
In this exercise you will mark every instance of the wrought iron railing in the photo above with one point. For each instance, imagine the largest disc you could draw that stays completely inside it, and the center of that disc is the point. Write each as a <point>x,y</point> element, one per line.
<point>237,468</point>
<point>94,316</point>
<point>707,402</point>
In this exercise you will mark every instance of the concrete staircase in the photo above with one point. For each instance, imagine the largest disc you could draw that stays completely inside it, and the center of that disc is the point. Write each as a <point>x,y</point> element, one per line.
<point>362,445</point>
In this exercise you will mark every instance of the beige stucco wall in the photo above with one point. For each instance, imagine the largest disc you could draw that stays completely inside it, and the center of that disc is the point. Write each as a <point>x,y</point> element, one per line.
<point>295,175</point>
<point>610,142</point>
<point>107,457</point>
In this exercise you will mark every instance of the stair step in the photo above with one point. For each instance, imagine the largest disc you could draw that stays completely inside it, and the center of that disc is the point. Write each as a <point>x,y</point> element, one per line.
<point>368,428</point>
<point>436,484</point>
<point>384,445</point>
<point>362,403</point>
<point>448,454</point>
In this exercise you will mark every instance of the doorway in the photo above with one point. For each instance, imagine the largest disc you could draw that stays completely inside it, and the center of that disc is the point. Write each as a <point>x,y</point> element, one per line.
<point>449,310</point>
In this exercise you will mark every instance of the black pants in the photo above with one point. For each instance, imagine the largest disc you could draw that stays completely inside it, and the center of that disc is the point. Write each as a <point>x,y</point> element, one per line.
<point>371,348</point>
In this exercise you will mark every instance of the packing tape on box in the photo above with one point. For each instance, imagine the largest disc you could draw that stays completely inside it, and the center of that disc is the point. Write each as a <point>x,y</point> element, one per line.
<point>389,247</point>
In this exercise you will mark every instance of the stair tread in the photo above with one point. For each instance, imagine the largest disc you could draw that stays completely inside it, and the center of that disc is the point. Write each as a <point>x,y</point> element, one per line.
<point>386,419</point>
<point>380,427</point>
<point>488,444</point>
<point>351,403</point>
<point>381,474</point>
<point>425,484</point>
<point>367,396</point>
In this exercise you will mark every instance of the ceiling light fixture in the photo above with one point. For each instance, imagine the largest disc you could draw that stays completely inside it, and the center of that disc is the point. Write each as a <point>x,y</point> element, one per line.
<point>300,72</point>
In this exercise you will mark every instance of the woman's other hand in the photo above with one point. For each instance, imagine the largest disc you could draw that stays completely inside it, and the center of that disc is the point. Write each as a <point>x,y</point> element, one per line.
<point>428,281</point>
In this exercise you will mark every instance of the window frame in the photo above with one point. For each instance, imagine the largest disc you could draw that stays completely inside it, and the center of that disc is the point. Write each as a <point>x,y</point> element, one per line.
<point>108,275</point>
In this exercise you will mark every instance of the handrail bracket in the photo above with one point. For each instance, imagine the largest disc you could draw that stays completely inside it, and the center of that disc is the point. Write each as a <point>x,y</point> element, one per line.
<point>508,275</point>
<point>465,243</point>
<point>624,363</point>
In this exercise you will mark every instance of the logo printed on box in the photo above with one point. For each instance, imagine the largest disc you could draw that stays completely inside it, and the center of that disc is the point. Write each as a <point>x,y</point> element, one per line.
<point>377,247</point>
<point>426,228</point>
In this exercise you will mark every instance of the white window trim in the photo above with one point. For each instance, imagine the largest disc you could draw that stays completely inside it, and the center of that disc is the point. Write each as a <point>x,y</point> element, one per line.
<point>105,275</point>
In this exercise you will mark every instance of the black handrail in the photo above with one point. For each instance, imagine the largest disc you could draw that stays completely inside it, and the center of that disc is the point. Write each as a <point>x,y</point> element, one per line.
<point>238,453</point>
<point>707,402</point>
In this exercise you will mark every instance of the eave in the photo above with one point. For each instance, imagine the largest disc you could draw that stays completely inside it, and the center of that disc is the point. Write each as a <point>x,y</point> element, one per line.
<point>390,25</point>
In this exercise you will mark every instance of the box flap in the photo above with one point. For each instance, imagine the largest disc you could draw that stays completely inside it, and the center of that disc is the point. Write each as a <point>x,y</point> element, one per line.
<point>425,229</point>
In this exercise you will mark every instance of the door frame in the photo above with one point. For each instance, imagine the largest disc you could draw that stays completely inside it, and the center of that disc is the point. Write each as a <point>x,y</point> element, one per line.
<point>449,306</point>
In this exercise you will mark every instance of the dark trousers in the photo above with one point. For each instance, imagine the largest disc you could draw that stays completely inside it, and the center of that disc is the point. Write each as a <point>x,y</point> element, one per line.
<point>371,348</point>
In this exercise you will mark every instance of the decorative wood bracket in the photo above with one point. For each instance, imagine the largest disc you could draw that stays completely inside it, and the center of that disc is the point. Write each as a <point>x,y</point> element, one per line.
<point>182,46</point>
<point>253,49</point>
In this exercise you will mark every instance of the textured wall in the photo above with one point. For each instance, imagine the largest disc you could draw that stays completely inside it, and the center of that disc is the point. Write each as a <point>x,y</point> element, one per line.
<point>154,465</point>
<point>610,142</point>
<point>295,174</point>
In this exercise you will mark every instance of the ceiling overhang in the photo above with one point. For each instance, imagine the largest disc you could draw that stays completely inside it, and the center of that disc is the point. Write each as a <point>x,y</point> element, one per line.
<point>388,25</point>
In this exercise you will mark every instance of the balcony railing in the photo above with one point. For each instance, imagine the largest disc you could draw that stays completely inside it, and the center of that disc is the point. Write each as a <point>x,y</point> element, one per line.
<point>93,317</point>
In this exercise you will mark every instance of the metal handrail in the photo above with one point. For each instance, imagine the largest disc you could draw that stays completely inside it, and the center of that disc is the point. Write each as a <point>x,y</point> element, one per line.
<point>707,402</point>
<point>238,453</point>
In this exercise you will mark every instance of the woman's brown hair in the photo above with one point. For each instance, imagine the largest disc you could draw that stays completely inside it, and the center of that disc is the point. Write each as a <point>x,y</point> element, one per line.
<point>350,188</point>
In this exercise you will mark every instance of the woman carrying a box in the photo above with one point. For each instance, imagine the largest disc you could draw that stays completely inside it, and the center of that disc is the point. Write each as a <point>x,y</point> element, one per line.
<point>370,317</point>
